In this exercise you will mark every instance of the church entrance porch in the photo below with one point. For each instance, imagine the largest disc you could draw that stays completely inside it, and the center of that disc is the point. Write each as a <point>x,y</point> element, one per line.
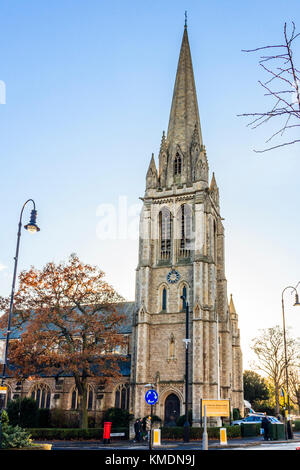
<point>172,409</point>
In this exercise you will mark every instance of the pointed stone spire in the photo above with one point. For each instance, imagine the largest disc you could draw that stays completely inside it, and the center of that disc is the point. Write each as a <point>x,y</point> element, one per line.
<point>184,115</point>
<point>163,160</point>
<point>151,177</point>
<point>213,183</point>
<point>163,145</point>
<point>214,190</point>
<point>232,310</point>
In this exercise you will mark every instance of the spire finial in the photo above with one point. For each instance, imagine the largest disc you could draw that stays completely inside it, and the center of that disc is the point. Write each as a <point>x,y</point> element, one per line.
<point>185,19</point>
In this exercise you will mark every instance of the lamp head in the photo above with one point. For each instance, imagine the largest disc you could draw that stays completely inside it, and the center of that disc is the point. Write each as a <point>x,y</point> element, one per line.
<point>296,300</point>
<point>32,226</point>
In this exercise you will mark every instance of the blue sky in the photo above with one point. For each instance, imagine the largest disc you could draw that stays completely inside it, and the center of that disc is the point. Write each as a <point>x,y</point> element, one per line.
<point>88,93</point>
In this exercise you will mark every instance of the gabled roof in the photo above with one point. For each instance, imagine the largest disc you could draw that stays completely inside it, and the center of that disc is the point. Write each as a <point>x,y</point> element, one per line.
<point>123,308</point>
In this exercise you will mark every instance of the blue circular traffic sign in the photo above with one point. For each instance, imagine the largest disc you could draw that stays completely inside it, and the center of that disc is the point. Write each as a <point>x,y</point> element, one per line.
<point>151,397</point>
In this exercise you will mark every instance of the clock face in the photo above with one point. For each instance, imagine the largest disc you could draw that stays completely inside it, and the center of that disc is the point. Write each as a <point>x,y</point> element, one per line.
<point>173,276</point>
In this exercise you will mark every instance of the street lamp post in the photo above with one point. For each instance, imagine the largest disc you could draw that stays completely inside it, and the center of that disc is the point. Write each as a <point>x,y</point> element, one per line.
<point>287,430</point>
<point>151,417</point>
<point>186,428</point>
<point>31,227</point>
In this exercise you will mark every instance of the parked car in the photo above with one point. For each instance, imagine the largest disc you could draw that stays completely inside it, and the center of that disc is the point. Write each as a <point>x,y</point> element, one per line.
<point>254,418</point>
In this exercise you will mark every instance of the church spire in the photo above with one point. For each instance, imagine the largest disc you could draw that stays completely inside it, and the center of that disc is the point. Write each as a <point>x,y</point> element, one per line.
<point>184,115</point>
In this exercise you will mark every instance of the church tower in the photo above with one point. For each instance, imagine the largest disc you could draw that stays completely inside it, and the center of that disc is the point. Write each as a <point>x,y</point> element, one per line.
<point>181,253</point>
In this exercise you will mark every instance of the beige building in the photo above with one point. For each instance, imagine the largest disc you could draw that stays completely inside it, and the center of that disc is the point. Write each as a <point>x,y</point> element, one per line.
<point>181,253</point>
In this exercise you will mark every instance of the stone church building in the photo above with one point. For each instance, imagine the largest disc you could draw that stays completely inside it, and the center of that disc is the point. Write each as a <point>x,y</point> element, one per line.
<point>181,254</point>
<point>181,260</point>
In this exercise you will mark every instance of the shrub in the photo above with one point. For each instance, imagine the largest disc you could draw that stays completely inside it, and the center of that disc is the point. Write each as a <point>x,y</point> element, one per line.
<point>181,420</point>
<point>15,437</point>
<point>91,421</point>
<point>64,419</point>
<point>69,434</point>
<point>118,417</point>
<point>233,431</point>
<point>236,414</point>
<point>176,432</point>
<point>260,407</point>
<point>23,412</point>
<point>44,418</point>
<point>4,418</point>
<point>296,425</point>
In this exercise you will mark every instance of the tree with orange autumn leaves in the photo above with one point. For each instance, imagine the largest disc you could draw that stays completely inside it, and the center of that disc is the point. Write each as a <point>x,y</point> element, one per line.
<point>68,323</point>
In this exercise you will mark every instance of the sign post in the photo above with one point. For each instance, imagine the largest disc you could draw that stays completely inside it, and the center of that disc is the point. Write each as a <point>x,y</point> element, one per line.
<point>215,408</point>
<point>205,435</point>
<point>151,398</point>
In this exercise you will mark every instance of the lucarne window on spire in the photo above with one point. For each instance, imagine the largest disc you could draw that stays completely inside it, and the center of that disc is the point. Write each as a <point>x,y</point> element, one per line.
<point>177,164</point>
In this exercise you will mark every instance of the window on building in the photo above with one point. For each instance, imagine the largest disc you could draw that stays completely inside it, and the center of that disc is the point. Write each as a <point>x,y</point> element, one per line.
<point>185,223</point>
<point>183,294</point>
<point>165,233</point>
<point>122,395</point>
<point>42,395</point>
<point>75,400</point>
<point>164,299</point>
<point>177,164</point>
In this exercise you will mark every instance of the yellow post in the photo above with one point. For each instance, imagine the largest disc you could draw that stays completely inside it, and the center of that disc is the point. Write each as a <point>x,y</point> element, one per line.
<point>156,437</point>
<point>223,436</point>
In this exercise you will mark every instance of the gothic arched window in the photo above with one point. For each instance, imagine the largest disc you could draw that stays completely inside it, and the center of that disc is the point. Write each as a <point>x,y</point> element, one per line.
<point>42,395</point>
<point>122,396</point>
<point>164,299</point>
<point>75,401</point>
<point>185,230</point>
<point>177,164</point>
<point>184,294</point>
<point>165,233</point>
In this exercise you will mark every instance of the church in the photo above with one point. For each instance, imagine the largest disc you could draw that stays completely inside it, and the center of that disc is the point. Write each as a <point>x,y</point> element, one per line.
<point>181,263</point>
<point>181,260</point>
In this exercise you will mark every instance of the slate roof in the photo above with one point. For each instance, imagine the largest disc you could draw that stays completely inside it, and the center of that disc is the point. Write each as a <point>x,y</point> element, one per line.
<point>123,308</point>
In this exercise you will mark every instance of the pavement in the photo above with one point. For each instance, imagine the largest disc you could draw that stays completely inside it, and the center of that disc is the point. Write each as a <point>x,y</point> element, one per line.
<point>255,443</point>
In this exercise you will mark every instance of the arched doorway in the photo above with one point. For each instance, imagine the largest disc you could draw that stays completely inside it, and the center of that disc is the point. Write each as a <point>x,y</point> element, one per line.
<point>172,409</point>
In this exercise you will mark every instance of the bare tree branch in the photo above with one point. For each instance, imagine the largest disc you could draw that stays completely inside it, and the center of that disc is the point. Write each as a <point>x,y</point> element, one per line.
<point>287,99</point>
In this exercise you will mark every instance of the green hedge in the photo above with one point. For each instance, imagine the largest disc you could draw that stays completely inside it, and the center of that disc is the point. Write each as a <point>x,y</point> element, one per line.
<point>176,432</point>
<point>69,434</point>
<point>296,425</point>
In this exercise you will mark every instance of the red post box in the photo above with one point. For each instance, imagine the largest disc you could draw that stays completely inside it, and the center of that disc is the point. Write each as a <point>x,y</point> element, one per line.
<point>106,432</point>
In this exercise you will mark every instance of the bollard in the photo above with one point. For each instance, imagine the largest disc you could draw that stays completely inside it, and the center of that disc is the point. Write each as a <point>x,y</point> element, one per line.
<point>106,432</point>
<point>223,437</point>
<point>156,437</point>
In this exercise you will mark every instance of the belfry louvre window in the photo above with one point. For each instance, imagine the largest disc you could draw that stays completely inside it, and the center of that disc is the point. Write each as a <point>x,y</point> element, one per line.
<point>185,221</point>
<point>165,232</point>
<point>177,164</point>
